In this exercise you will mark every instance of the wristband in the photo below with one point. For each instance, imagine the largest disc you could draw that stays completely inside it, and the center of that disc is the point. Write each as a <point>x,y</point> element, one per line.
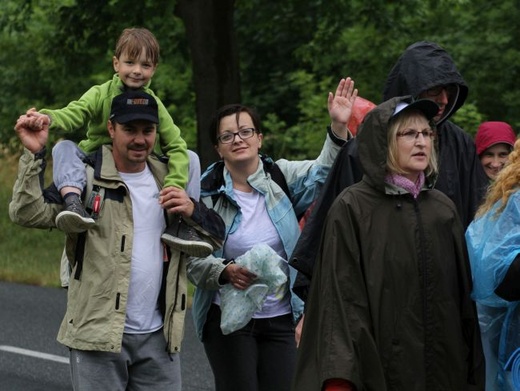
<point>40,154</point>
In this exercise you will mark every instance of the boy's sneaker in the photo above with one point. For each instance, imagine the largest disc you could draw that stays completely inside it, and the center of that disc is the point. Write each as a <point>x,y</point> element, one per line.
<point>183,237</point>
<point>74,219</point>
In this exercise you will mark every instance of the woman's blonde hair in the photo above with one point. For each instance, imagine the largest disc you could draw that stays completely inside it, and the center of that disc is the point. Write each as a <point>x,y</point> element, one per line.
<point>401,122</point>
<point>506,183</point>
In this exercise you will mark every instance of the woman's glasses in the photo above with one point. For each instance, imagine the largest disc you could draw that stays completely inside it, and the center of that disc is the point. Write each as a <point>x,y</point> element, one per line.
<point>229,137</point>
<point>412,135</point>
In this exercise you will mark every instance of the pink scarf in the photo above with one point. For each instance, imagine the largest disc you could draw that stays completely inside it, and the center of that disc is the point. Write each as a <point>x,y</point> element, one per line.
<point>413,188</point>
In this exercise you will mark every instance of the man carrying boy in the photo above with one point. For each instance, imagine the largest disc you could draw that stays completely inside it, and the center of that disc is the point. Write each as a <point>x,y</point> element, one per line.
<point>127,294</point>
<point>135,61</point>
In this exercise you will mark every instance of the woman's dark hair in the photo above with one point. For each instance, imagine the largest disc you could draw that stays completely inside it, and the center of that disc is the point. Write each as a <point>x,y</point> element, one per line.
<point>231,109</point>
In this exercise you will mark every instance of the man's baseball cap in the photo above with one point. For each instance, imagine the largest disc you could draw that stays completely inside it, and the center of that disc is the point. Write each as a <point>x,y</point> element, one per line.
<point>134,105</point>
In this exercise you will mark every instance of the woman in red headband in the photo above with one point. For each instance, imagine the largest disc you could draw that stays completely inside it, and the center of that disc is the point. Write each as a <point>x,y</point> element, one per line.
<point>494,142</point>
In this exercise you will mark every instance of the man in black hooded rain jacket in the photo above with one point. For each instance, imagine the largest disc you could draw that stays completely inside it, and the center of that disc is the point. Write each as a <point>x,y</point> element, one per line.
<point>424,70</point>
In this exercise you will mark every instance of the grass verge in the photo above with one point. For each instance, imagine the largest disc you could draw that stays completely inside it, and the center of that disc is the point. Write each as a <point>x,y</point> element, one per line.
<point>30,256</point>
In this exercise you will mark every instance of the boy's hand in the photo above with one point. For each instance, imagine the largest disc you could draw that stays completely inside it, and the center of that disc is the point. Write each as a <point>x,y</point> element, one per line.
<point>176,200</point>
<point>36,120</point>
<point>32,139</point>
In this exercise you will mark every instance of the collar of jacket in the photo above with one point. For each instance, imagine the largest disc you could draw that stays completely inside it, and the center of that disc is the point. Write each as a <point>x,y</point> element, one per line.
<point>392,189</point>
<point>105,168</point>
<point>212,181</point>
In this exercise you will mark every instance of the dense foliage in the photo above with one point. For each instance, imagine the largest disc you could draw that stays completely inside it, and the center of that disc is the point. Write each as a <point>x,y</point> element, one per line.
<point>291,54</point>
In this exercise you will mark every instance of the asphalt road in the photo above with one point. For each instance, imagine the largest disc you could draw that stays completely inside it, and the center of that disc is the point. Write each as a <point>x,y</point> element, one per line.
<point>32,360</point>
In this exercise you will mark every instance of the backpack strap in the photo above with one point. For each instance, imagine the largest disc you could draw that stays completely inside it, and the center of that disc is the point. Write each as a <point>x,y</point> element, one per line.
<point>276,174</point>
<point>79,255</point>
<point>94,194</point>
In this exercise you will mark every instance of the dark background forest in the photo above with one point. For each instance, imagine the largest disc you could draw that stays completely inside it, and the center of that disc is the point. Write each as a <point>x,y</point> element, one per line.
<point>281,57</point>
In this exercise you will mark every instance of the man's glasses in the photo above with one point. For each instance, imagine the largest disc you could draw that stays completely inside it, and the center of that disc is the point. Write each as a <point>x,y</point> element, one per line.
<point>229,137</point>
<point>412,135</point>
<point>451,89</point>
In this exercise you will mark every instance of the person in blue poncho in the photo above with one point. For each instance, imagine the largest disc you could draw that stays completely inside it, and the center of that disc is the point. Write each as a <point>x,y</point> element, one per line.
<point>493,240</point>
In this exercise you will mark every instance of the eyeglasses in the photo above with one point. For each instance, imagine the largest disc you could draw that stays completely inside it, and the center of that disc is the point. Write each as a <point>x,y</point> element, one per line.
<point>229,137</point>
<point>451,89</point>
<point>412,135</point>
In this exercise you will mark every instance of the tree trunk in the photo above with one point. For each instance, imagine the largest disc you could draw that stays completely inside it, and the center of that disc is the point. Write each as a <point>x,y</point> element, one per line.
<point>210,33</point>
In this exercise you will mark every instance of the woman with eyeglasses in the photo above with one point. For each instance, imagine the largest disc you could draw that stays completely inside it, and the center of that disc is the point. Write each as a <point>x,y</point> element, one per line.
<point>259,201</point>
<point>426,70</point>
<point>389,307</point>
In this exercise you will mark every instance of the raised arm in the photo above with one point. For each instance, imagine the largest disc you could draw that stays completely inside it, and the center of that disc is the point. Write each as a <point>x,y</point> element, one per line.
<point>340,106</point>
<point>29,206</point>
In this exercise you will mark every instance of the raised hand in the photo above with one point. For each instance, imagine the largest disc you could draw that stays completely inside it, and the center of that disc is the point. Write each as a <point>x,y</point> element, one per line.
<point>340,106</point>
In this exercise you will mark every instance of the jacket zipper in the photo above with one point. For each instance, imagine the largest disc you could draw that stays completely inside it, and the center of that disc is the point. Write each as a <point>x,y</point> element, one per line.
<point>425,281</point>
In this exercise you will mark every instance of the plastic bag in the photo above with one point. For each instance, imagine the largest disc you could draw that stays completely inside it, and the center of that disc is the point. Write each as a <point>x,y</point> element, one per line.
<point>238,306</point>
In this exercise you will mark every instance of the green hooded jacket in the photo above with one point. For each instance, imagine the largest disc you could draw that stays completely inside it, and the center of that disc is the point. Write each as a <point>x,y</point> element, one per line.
<point>90,114</point>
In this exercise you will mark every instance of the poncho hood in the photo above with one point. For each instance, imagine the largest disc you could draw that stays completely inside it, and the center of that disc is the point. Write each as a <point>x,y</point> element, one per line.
<point>373,142</point>
<point>424,65</point>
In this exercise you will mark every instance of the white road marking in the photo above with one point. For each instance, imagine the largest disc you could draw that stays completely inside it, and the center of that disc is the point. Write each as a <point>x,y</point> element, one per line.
<point>32,353</point>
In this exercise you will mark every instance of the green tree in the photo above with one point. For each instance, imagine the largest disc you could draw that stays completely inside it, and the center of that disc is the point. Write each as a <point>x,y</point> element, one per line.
<point>53,51</point>
<point>281,57</point>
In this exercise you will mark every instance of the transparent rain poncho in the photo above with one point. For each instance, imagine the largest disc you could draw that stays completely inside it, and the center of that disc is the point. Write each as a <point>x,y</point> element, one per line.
<point>493,242</point>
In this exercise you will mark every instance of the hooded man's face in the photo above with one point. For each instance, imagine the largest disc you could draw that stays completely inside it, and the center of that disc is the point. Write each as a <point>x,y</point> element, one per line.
<point>443,95</point>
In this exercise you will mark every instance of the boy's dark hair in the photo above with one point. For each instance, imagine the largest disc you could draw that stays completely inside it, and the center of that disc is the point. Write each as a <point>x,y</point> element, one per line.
<point>224,111</point>
<point>133,40</point>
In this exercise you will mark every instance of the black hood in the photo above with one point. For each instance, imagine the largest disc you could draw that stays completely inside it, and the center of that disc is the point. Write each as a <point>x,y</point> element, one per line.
<point>424,65</point>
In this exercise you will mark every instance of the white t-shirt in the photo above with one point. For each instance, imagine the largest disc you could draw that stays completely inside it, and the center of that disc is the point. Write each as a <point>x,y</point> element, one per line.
<point>256,227</point>
<point>142,309</point>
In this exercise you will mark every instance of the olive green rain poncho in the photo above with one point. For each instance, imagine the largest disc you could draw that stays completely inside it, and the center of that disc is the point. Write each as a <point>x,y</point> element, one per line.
<point>389,305</point>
